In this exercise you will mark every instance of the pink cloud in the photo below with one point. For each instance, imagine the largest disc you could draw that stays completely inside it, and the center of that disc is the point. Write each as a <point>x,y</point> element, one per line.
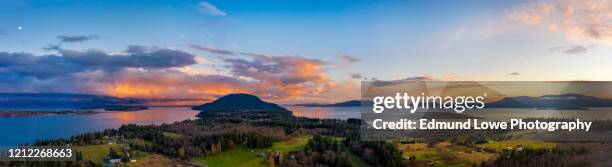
<point>587,19</point>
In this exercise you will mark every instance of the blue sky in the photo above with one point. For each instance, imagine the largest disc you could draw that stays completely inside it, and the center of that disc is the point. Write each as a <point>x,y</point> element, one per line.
<point>457,40</point>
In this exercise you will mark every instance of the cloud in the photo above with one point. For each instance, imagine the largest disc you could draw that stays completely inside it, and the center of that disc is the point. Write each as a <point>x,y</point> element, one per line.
<point>514,74</point>
<point>431,78</point>
<point>347,58</point>
<point>52,47</point>
<point>167,84</point>
<point>253,54</point>
<point>571,49</point>
<point>279,76</point>
<point>213,50</point>
<point>225,52</point>
<point>68,39</point>
<point>134,57</point>
<point>588,19</point>
<point>19,58</point>
<point>72,61</point>
<point>210,9</point>
<point>356,75</point>
<point>76,38</point>
<point>152,83</point>
<point>162,73</point>
<point>419,78</point>
<point>297,76</point>
<point>28,65</point>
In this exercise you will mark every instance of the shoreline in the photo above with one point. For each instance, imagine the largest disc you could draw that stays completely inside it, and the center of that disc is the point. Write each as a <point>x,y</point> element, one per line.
<point>34,113</point>
<point>26,114</point>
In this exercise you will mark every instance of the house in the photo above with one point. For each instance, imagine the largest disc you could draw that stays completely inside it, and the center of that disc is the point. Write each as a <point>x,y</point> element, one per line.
<point>113,162</point>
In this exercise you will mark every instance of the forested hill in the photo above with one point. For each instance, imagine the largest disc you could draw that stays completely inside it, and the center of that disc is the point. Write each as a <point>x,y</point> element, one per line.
<point>562,101</point>
<point>241,103</point>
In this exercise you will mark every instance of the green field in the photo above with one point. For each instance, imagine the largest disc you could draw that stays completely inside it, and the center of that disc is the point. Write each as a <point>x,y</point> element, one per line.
<point>243,156</point>
<point>151,160</point>
<point>471,155</point>
<point>171,135</point>
<point>295,144</point>
<point>445,154</point>
<point>358,161</point>
<point>97,153</point>
<point>500,145</point>
<point>240,156</point>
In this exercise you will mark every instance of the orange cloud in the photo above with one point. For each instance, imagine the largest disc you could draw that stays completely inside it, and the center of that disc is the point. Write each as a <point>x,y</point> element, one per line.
<point>167,84</point>
<point>274,78</point>
<point>162,73</point>
<point>282,76</point>
<point>133,90</point>
<point>588,19</point>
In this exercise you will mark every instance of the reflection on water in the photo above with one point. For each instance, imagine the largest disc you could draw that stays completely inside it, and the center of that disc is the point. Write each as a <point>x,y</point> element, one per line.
<point>23,130</point>
<point>155,115</point>
<point>327,112</point>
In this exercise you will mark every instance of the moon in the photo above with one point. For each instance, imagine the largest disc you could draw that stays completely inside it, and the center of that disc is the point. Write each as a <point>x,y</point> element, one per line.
<point>19,28</point>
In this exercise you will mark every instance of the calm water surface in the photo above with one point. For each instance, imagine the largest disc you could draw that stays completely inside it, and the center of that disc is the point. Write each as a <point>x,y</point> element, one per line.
<point>602,114</point>
<point>28,129</point>
<point>327,112</point>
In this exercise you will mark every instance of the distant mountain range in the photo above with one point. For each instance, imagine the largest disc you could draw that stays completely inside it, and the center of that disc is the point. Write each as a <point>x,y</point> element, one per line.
<point>562,101</point>
<point>241,103</point>
<point>246,102</point>
<point>66,101</point>
<point>350,103</point>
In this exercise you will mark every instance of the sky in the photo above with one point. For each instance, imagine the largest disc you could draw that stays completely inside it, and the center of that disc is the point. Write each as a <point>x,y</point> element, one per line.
<point>293,51</point>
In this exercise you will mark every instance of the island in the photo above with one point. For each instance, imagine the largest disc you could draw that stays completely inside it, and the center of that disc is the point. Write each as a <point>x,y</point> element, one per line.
<point>243,130</point>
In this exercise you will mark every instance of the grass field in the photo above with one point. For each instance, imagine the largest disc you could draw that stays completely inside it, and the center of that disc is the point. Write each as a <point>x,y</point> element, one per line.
<point>243,156</point>
<point>420,151</point>
<point>358,161</point>
<point>295,144</point>
<point>427,154</point>
<point>171,135</point>
<point>470,155</point>
<point>445,154</point>
<point>240,156</point>
<point>96,153</point>
<point>152,160</point>
<point>500,145</point>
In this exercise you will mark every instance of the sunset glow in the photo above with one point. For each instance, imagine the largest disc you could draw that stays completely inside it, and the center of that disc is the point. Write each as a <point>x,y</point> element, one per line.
<point>296,56</point>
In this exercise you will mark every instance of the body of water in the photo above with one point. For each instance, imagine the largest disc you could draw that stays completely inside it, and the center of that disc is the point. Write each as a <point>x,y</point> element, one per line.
<point>500,114</point>
<point>27,129</point>
<point>602,114</point>
<point>327,112</point>
<point>23,130</point>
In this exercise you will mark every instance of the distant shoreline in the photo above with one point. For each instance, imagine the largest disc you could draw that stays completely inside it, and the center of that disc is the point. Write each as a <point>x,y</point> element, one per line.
<point>25,113</point>
<point>17,113</point>
<point>21,114</point>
